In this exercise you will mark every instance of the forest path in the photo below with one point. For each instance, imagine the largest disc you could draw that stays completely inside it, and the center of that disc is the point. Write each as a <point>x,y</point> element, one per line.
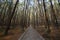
<point>31,34</point>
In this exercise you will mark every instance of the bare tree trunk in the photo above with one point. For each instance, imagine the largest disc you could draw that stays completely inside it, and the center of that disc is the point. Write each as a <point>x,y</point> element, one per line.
<point>9,21</point>
<point>1,14</point>
<point>59,2</point>
<point>47,21</point>
<point>54,19</point>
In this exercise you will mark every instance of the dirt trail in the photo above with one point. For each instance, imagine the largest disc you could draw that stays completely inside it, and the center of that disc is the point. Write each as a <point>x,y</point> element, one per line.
<point>31,34</point>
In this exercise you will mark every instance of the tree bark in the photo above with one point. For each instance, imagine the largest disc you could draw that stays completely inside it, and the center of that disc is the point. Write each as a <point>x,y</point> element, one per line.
<point>9,21</point>
<point>46,18</point>
<point>54,19</point>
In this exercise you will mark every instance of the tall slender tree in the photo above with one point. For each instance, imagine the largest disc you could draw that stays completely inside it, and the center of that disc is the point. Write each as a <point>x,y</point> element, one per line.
<point>59,2</point>
<point>54,18</point>
<point>9,21</point>
<point>47,21</point>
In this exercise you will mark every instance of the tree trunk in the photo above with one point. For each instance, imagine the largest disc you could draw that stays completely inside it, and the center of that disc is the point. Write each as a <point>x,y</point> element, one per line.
<point>9,21</point>
<point>46,18</point>
<point>54,19</point>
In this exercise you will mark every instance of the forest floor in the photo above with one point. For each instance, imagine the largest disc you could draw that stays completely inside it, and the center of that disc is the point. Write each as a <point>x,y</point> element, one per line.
<point>53,35</point>
<point>14,34</point>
